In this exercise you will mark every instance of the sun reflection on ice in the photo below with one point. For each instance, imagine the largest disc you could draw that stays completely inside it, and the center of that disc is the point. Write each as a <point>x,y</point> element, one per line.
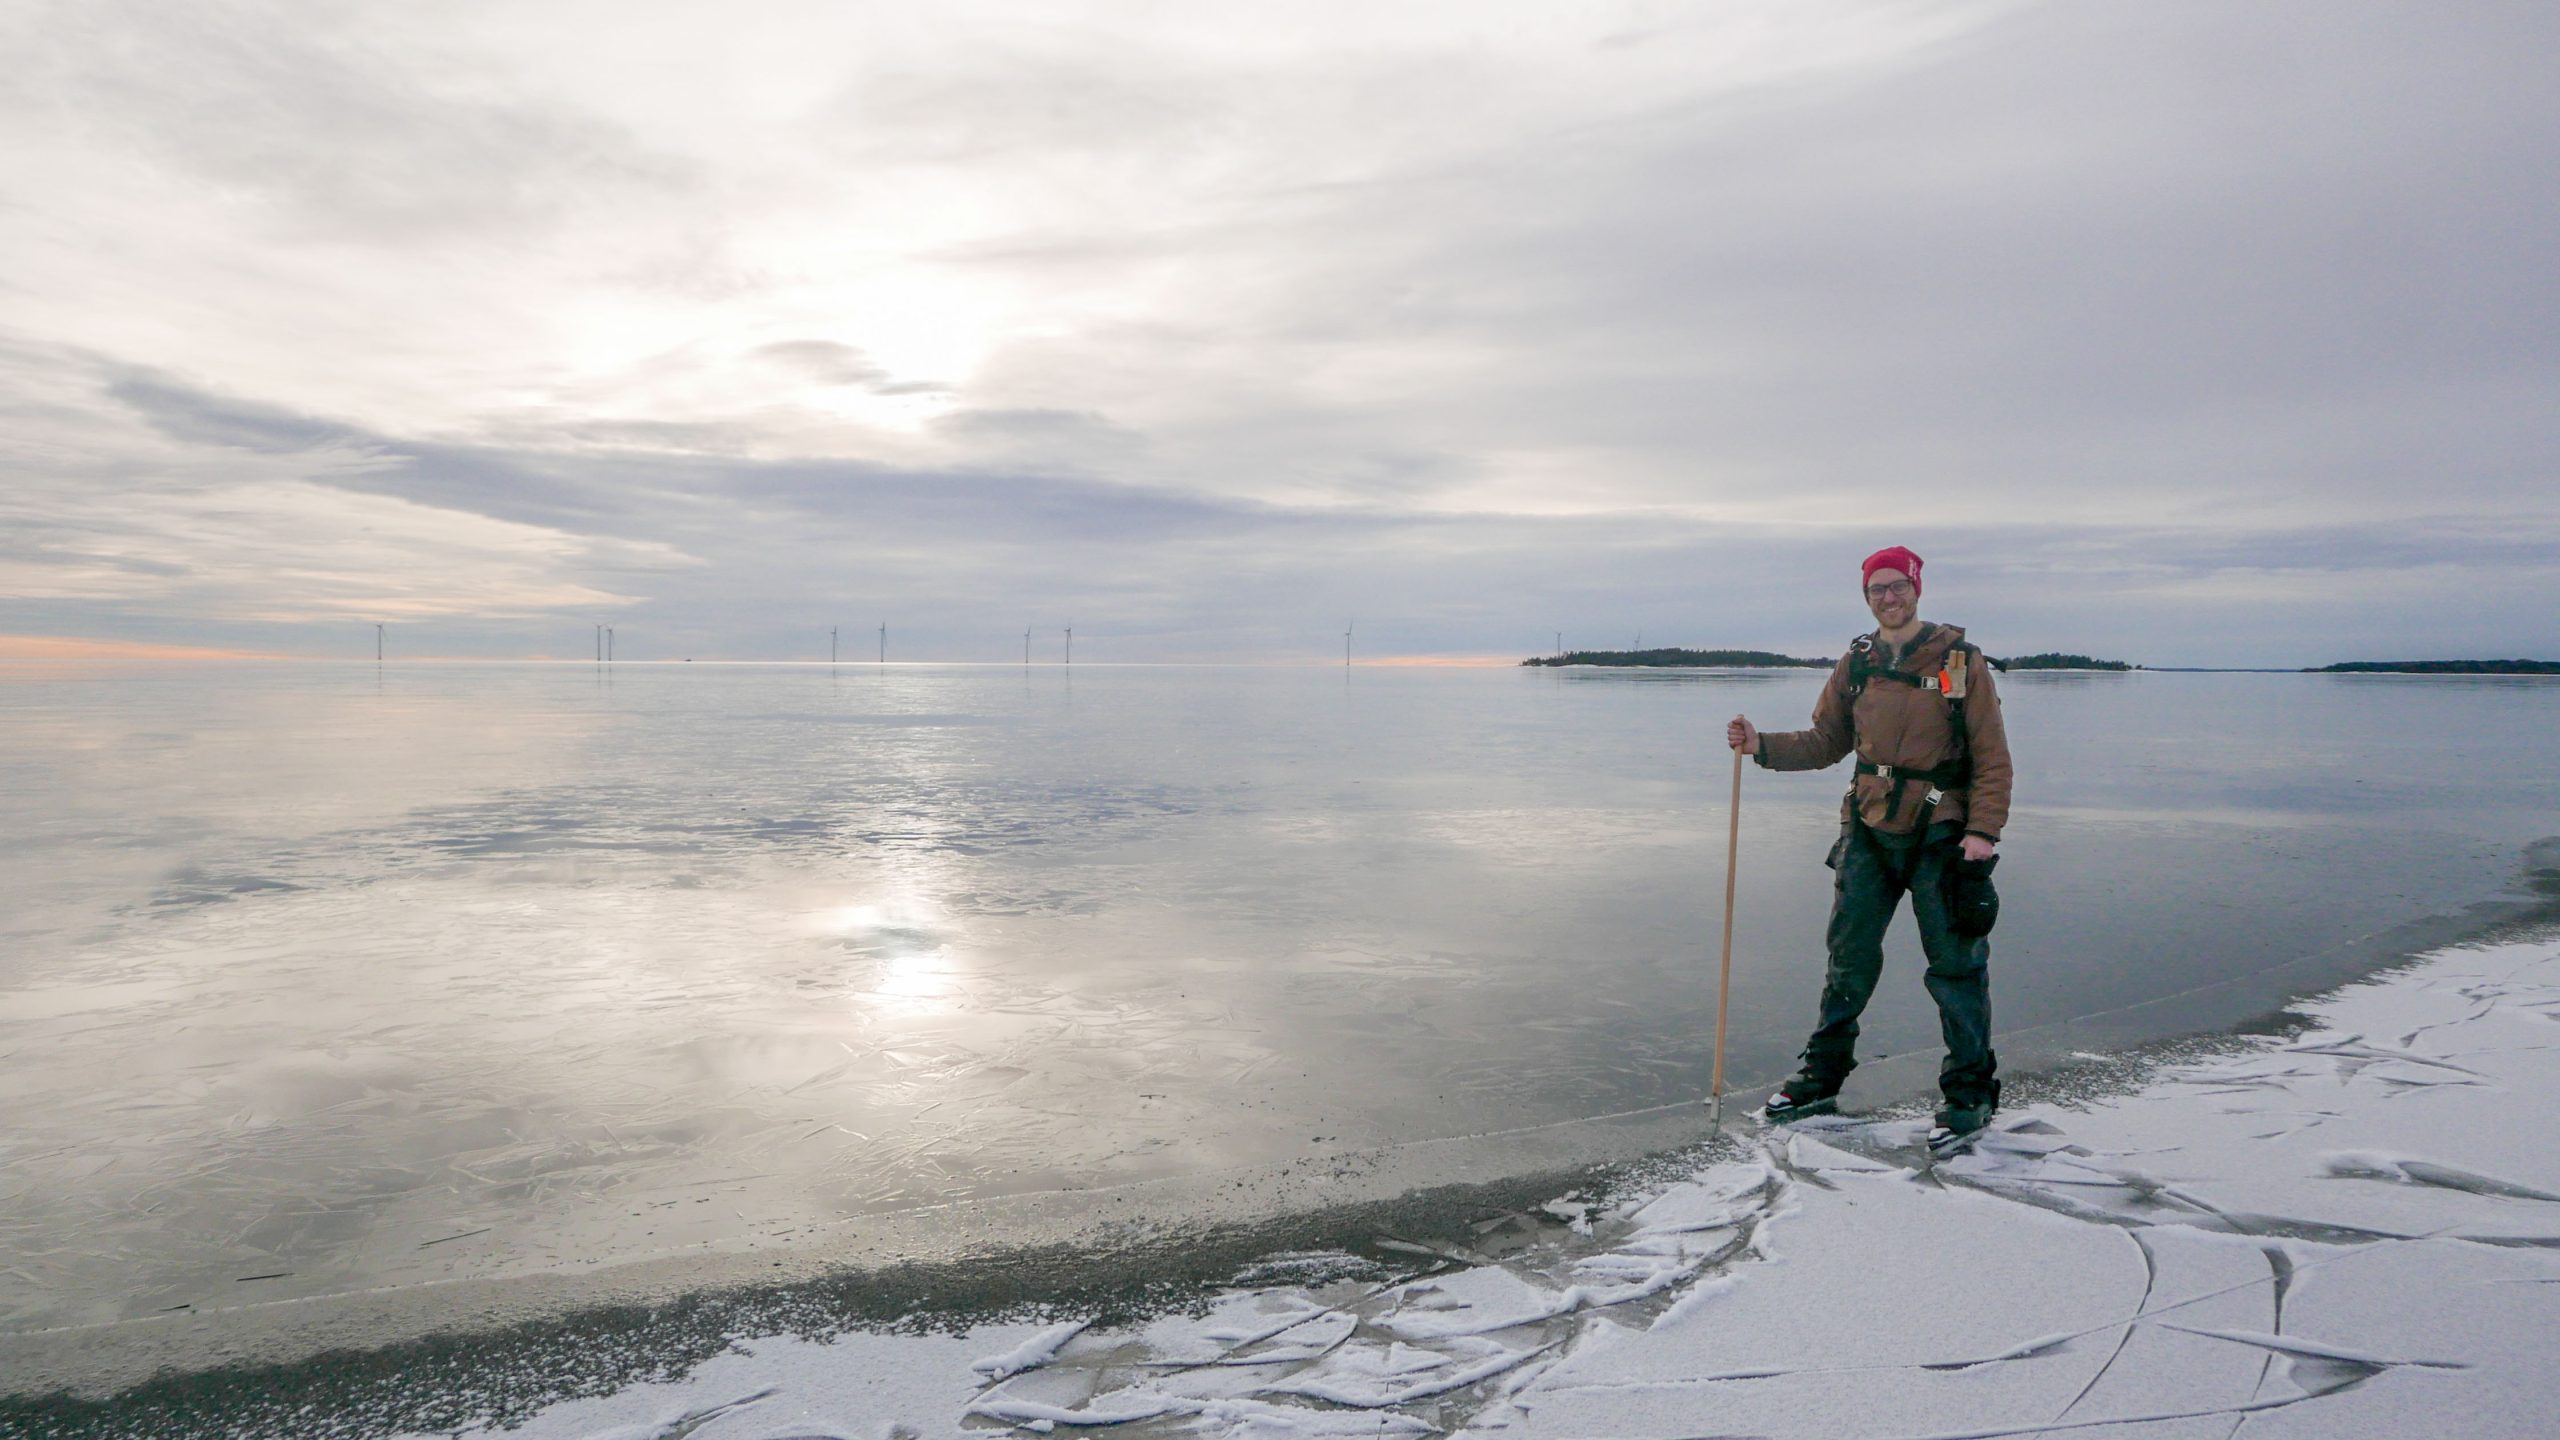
<point>913,970</point>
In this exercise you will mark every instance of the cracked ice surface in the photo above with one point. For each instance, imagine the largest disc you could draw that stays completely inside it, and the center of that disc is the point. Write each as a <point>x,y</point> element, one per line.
<point>2351,1233</point>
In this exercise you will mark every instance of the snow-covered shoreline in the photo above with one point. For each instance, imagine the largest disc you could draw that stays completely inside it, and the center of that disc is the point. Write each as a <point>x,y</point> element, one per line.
<point>2352,1230</point>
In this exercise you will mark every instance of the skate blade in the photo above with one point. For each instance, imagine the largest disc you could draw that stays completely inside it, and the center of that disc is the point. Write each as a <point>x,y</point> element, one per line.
<point>1799,1112</point>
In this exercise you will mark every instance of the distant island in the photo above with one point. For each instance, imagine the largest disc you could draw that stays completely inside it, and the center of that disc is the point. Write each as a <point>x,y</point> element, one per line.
<point>2438,667</point>
<point>2056,660</point>
<point>1771,660</point>
<point>1673,656</point>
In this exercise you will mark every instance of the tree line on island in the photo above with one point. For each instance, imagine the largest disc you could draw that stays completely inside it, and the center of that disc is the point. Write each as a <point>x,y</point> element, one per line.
<point>2439,667</point>
<point>1671,656</point>
<point>1676,657</point>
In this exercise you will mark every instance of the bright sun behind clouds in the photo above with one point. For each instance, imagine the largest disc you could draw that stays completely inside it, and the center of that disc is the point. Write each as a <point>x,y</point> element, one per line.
<point>1209,324</point>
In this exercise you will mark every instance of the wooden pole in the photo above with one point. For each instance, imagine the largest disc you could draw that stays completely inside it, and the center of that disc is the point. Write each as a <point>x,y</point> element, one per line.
<point>1724,975</point>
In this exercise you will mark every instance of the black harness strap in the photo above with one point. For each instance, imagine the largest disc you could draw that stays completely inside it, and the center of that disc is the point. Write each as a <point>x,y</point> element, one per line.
<point>1964,746</point>
<point>1941,779</point>
<point>1946,775</point>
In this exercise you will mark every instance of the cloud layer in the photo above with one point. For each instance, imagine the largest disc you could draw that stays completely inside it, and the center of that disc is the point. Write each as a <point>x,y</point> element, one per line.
<point>2195,332</point>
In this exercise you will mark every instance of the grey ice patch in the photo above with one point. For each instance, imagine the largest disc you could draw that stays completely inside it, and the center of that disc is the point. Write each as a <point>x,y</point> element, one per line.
<point>191,887</point>
<point>2374,1165</point>
<point>2296,1347</point>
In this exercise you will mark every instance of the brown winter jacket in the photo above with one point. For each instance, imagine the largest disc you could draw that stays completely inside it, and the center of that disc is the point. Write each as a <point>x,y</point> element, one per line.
<point>1902,725</point>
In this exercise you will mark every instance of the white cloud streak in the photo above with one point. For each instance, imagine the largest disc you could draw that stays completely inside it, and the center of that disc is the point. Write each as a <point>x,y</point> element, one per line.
<point>104,513</point>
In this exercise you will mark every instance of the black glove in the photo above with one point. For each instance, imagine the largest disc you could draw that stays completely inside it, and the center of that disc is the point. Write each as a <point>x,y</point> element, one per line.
<point>1973,906</point>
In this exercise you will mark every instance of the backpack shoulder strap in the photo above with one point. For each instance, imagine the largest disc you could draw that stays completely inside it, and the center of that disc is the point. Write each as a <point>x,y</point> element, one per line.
<point>1961,657</point>
<point>1862,663</point>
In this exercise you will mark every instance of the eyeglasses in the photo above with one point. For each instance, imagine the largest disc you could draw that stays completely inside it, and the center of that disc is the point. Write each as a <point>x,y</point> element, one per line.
<point>1890,590</point>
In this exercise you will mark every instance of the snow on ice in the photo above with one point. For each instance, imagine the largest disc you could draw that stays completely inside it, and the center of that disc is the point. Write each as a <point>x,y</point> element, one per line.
<point>2350,1233</point>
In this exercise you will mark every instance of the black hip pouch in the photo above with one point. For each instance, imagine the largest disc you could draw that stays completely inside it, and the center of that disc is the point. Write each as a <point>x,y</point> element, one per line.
<point>1973,906</point>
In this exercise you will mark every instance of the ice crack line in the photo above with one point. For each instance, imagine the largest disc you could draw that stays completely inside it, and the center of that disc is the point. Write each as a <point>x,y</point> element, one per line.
<point>2043,1345</point>
<point>1439,1349</point>
<point>1450,1341</point>
<point>2150,1280</point>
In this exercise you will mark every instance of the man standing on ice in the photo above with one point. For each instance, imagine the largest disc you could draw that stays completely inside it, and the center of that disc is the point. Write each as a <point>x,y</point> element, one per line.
<point>1923,813</point>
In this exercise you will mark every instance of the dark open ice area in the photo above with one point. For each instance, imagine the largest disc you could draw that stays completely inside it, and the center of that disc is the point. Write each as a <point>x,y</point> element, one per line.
<point>317,979</point>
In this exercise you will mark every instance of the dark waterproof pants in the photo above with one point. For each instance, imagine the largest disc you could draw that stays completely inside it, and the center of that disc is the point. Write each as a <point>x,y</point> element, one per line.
<point>1871,882</point>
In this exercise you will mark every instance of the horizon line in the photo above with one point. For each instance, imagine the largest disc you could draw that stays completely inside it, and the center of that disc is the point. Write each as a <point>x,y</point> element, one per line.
<point>196,655</point>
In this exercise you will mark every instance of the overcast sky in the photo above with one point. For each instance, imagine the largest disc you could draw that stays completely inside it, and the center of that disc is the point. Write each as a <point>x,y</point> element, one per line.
<point>2217,333</point>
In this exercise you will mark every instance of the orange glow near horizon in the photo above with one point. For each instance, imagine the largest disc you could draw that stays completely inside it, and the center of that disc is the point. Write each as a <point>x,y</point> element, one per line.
<point>74,647</point>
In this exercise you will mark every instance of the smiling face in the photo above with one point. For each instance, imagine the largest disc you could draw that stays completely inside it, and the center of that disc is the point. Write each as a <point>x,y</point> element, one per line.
<point>1891,598</point>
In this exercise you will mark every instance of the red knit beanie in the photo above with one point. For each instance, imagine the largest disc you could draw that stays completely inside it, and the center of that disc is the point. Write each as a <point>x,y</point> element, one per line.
<point>1891,557</point>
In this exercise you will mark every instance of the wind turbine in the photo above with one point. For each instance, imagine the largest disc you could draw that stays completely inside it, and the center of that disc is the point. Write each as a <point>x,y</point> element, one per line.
<point>1026,644</point>
<point>1346,644</point>
<point>1071,644</point>
<point>377,644</point>
<point>884,642</point>
<point>831,644</point>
